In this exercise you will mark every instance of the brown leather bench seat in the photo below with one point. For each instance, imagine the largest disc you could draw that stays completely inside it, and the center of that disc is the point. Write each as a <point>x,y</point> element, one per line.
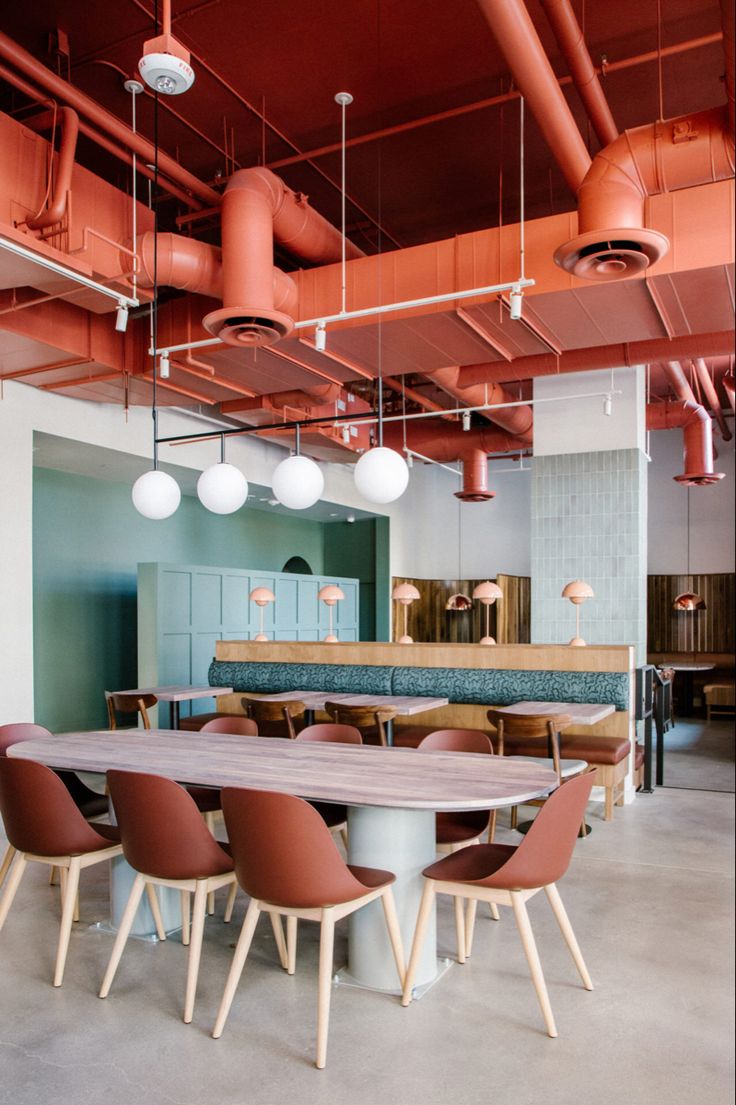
<point>598,750</point>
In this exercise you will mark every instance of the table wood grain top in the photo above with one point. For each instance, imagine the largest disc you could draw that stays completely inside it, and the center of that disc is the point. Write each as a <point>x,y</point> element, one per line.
<point>174,692</point>
<point>405,705</point>
<point>581,713</point>
<point>357,775</point>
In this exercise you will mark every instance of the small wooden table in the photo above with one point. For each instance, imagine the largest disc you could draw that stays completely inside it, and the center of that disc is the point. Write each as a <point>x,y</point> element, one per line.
<point>405,705</point>
<point>688,670</point>
<point>174,694</point>
<point>392,795</point>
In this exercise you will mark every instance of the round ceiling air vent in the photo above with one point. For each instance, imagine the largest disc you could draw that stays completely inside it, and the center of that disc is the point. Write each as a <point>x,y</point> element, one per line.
<point>699,479</point>
<point>243,327</point>
<point>614,255</point>
<point>474,496</point>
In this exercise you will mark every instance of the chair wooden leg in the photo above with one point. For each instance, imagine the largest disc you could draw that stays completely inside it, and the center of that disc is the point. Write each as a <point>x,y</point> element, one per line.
<point>209,820</point>
<point>236,967</point>
<point>394,933</point>
<point>54,877</point>
<point>495,915</point>
<point>492,826</point>
<point>184,899</point>
<point>291,930</point>
<point>324,988</point>
<point>67,917</point>
<point>16,874</point>
<point>470,912</point>
<point>230,905</point>
<point>563,921</point>
<point>155,910</point>
<point>344,838</point>
<point>7,860</point>
<point>460,928</point>
<point>532,958</point>
<point>608,806</point>
<point>199,907</point>
<point>126,923</point>
<point>514,816</point>
<point>425,912</point>
<point>278,932</point>
<point>63,876</point>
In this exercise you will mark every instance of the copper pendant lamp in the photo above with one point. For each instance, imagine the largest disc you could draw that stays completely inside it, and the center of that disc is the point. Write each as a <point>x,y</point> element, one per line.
<point>688,601</point>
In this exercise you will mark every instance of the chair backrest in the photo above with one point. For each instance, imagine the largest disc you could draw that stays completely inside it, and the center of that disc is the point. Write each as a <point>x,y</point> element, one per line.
<point>129,704</point>
<point>240,726</point>
<point>330,731</point>
<point>161,829</point>
<point>19,731</point>
<point>528,725</point>
<point>456,740</point>
<point>283,851</point>
<point>545,852</point>
<point>362,717</point>
<point>270,709</point>
<point>39,814</point>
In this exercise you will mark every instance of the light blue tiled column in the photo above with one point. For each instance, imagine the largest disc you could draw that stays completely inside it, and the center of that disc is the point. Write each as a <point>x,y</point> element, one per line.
<point>589,510</point>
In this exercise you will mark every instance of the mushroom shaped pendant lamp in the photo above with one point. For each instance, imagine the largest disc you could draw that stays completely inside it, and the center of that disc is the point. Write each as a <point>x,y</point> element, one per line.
<point>487,593</point>
<point>330,595</point>
<point>405,594</point>
<point>577,592</point>
<point>261,596</point>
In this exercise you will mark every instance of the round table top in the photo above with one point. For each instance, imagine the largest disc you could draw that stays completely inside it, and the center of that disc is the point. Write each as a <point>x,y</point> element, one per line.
<point>683,665</point>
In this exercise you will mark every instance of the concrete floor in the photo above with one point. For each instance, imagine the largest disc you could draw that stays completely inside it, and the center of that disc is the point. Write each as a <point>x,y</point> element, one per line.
<point>699,755</point>
<point>650,896</point>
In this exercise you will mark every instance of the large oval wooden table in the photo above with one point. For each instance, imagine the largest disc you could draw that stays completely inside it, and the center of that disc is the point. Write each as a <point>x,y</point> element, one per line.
<point>392,795</point>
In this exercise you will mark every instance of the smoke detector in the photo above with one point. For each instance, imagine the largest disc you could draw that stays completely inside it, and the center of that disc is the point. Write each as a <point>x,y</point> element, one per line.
<point>165,66</point>
<point>612,254</point>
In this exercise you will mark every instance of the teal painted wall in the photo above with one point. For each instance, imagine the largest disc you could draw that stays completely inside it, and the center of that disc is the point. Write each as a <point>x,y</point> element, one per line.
<point>360,549</point>
<point>88,540</point>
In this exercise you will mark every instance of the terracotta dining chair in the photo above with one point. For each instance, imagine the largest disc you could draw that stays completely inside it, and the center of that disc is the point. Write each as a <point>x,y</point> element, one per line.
<point>44,826</point>
<point>287,862</point>
<point>535,735</point>
<point>274,717</point>
<point>129,704</point>
<point>90,804</point>
<point>370,720</point>
<point>234,724</point>
<point>166,843</point>
<point>510,876</point>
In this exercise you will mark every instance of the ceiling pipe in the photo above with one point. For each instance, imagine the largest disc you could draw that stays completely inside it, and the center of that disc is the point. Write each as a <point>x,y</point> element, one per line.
<point>194,266</point>
<point>257,208</point>
<point>85,105</point>
<point>307,398</point>
<point>515,420</point>
<point>678,381</point>
<point>68,121</point>
<point>711,396</point>
<point>695,423</point>
<point>569,35</point>
<point>612,241</point>
<point>414,396</point>
<point>717,344</point>
<point>519,43</point>
<point>728,387</point>
<point>727,22</point>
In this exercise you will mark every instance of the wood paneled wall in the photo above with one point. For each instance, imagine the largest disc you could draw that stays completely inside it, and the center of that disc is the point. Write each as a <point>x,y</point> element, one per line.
<point>429,621</point>
<point>709,630</point>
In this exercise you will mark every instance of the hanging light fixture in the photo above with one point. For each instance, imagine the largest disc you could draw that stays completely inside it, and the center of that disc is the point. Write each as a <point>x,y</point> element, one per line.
<point>298,482</point>
<point>165,63</point>
<point>459,601</point>
<point>577,592</point>
<point>261,596</point>
<point>689,601</point>
<point>222,488</point>
<point>330,595</point>
<point>405,594</point>
<point>487,593</point>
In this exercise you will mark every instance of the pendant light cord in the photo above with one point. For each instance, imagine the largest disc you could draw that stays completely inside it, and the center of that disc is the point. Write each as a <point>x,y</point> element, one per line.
<point>154,305</point>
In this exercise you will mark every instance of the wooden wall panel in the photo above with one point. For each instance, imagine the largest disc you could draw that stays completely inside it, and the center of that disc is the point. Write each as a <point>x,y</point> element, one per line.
<point>510,617</point>
<point>710,630</point>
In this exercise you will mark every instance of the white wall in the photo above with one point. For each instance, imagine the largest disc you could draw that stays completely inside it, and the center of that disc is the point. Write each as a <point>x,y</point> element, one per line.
<point>711,511</point>
<point>582,426</point>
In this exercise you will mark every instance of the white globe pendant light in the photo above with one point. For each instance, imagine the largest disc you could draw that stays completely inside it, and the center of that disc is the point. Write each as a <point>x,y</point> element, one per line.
<point>298,482</point>
<point>381,475</point>
<point>156,495</point>
<point>222,488</point>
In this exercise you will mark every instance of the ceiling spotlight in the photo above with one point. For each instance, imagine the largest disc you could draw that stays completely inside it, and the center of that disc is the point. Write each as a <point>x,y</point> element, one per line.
<point>121,318</point>
<point>320,338</point>
<point>350,518</point>
<point>164,366</point>
<point>608,406</point>
<point>515,303</point>
<point>466,420</point>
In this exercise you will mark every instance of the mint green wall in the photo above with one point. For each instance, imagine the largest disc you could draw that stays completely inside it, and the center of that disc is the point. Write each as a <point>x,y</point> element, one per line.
<point>88,540</point>
<point>360,550</point>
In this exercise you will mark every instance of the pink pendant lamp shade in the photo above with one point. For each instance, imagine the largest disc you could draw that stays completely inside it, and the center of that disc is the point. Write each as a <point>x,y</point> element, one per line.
<point>261,596</point>
<point>577,592</point>
<point>487,593</point>
<point>330,594</point>
<point>405,594</point>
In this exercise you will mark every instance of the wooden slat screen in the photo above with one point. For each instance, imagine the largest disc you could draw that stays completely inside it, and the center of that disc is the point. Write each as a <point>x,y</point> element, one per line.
<point>429,621</point>
<point>709,630</point>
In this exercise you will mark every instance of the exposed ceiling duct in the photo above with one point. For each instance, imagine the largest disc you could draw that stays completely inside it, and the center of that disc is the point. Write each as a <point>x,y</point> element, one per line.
<point>696,425</point>
<point>517,420</point>
<point>711,396</point>
<point>68,122</point>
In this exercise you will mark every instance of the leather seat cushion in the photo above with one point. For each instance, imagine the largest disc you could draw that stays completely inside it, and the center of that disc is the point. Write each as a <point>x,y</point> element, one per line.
<point>596,750</point>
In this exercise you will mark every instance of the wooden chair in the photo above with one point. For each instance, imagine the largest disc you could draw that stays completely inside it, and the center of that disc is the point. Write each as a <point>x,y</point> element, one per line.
<point>370,720</point>
<point>167,844</point>
<point>536,729</point>
<point>274,716</point>
<point>287,862</point>
<point>44,826</point>
<point>510,876</point>
<point>129,704</point>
